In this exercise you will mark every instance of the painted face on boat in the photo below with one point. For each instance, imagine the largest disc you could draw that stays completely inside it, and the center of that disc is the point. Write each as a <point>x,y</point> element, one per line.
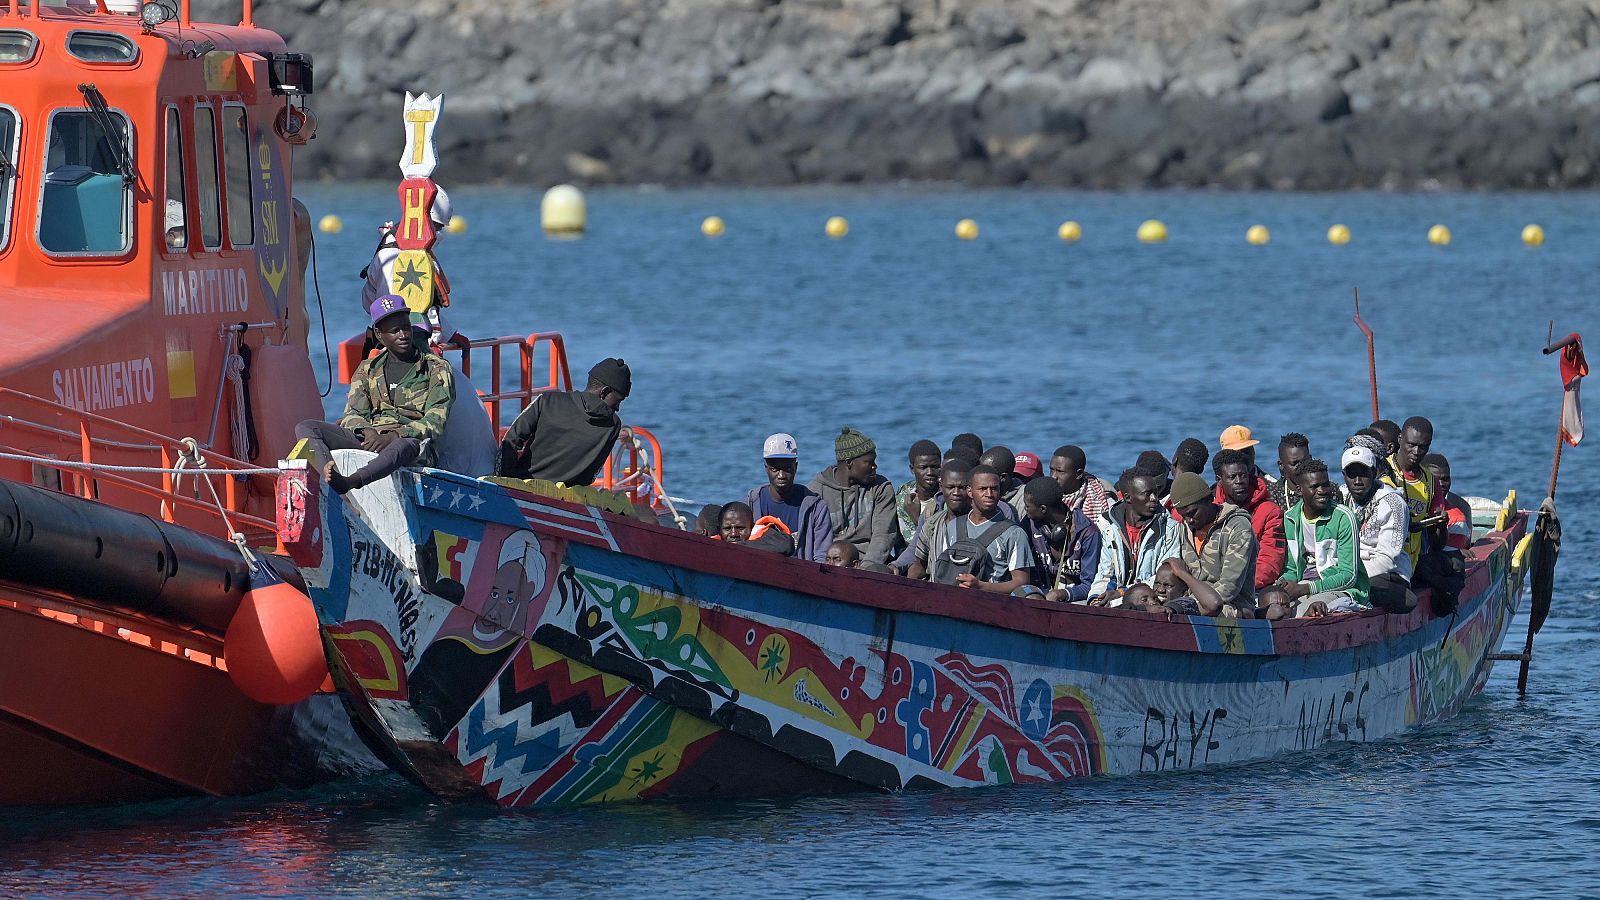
<point>509,594</point>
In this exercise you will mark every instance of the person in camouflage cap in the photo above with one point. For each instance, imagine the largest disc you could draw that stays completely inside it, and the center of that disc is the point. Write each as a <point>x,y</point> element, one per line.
<point>398,403</point>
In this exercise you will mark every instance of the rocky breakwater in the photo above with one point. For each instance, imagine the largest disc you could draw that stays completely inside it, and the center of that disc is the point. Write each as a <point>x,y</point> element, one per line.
<point>1100,93</point>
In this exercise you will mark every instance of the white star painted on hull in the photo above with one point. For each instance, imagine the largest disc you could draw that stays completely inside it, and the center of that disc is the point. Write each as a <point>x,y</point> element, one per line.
<point>456,496</point>
<point>475,501</point>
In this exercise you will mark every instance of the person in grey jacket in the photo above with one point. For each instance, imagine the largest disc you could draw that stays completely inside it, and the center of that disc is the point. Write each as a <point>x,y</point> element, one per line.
<point>860,501</point>
<point>799,508</point>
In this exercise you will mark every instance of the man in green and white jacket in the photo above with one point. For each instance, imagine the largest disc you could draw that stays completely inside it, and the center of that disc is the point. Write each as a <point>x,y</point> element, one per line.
<point>1323,573</point>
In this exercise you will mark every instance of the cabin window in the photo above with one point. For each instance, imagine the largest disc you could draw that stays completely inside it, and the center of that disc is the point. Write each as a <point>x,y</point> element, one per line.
<point>101,47</point>
<point>86,207</point>
<point>236,158</point>
<point>16,46</point>
<point>175,227</point>
<point>205,164</point>
<point>8,170</point>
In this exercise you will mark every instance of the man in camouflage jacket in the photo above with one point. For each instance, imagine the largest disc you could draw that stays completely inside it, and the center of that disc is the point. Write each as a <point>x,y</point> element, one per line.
<point>398,403</point>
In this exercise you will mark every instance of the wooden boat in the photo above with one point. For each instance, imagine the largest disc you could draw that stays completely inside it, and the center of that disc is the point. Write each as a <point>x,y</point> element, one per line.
<point>522,643</point>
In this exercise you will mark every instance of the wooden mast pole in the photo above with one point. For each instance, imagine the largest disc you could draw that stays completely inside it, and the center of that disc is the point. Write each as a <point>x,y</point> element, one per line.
<point>1372,356</point>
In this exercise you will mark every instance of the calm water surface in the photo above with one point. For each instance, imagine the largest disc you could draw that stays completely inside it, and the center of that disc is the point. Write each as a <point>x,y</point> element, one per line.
<point>904,332</point>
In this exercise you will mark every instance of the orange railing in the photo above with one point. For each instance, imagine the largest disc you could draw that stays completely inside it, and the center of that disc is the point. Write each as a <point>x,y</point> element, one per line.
<point>54,439</point>
<point>635,467</point>
<point>635,463</point>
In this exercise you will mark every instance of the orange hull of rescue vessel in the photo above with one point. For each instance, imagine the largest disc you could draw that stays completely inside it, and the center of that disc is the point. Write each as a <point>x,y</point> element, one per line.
<point>148,248</point>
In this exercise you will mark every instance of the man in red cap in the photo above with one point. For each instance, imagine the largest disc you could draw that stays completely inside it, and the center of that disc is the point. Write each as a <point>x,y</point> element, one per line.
<point>1028,466</point>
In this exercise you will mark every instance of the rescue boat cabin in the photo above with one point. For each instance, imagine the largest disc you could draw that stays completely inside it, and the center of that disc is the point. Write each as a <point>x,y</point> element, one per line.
<point>148,243</point>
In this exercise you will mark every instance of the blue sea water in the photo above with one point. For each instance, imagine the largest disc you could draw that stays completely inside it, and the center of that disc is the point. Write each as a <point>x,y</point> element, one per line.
<point>904,332</point>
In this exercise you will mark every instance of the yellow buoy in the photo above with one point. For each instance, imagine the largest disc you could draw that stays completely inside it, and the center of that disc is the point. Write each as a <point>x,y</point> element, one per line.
<point>1439,235</point>
<point>836,227</point>
<point>458,225</point>
<point>1532,235</point>
<point>330,224</point>
<point>1069,231</point>
<point>1152,231</point>
<point>1257,234</point>
<point>563,211</point>
<point>966,229</point>
<point>712,227</point>
<point>1339,234</point>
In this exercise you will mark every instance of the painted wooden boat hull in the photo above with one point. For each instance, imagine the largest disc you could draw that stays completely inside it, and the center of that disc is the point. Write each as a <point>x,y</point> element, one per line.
<point>521,648</point>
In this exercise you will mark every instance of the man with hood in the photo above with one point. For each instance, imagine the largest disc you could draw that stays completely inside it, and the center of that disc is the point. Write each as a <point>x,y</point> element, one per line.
<point>566,436</point>
<point>799,508</point>
<point>860,501</point>
<point>1240,483</point>
<point>1224,540</point>
<point>1137,536</point>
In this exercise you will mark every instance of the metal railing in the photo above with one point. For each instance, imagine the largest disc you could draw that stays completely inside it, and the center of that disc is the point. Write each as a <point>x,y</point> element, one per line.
<point>98,456</point>
<point>635,462</point>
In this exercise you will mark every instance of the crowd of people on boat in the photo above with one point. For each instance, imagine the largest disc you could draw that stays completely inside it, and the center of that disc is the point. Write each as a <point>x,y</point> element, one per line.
<point>1197,533</point>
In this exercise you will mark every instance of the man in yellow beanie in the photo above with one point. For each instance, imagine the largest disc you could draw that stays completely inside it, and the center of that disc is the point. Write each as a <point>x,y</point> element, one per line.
<point>860,501</point>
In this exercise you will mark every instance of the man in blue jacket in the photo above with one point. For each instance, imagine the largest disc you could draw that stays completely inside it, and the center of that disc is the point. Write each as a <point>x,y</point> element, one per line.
<point>1066,546</point>
<point>798,507</point>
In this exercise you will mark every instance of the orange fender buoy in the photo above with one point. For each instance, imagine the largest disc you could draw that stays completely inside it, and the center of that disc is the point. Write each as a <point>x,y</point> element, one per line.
<point>274,645</point>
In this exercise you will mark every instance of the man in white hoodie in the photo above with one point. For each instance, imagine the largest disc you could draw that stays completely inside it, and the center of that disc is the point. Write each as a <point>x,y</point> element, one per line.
<point>1385,523</point>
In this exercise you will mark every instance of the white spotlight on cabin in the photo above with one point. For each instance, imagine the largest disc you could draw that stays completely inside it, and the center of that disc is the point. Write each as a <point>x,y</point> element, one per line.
<point>562,211</point>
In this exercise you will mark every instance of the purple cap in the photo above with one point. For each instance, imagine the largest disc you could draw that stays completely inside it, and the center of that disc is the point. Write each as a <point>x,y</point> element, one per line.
<point>386,306</point>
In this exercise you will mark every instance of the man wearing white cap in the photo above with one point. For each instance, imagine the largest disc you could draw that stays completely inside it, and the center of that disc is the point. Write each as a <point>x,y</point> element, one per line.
<point>1385,524</point>
<point>798,507</point>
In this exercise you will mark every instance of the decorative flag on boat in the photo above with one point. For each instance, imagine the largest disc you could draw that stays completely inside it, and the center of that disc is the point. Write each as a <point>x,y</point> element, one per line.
<point>1573,368</point>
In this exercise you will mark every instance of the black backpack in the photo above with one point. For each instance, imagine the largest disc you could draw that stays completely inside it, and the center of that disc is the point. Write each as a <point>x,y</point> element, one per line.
<point>968,555</point>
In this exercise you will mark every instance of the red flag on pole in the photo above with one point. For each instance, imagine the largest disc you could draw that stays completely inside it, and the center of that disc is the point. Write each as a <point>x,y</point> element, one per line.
<point>1573,368</point>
